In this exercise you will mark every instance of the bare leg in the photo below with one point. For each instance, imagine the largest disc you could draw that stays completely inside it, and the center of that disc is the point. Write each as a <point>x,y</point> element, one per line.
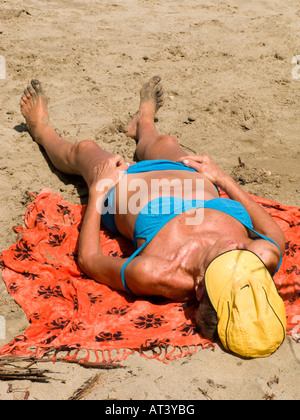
<point>70,158</point>
<point>150,145</point>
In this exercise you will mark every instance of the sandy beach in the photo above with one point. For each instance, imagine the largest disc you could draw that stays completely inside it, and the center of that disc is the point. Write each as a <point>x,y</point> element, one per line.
<point>232,84</point>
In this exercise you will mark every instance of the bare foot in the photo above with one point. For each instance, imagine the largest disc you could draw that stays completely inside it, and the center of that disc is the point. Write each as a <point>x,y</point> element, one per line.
<point>34,109</point>
<point>152,91</point>
<point>152,98</point>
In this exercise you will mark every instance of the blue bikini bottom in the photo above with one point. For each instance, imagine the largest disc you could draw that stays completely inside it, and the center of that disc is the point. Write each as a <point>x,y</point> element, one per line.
<point>108,217</point>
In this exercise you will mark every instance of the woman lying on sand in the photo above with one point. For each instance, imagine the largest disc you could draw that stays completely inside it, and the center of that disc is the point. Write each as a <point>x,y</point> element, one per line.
<point>220,251</point>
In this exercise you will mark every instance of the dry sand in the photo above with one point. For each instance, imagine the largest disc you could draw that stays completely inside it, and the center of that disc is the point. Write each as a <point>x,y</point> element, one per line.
<point>227,72</point>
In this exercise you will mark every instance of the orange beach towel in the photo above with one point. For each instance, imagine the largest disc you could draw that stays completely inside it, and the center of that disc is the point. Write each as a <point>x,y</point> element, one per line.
<point>70,312</point>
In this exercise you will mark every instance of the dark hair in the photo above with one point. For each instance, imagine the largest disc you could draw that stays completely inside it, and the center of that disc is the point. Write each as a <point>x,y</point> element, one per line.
<point>206,319</point>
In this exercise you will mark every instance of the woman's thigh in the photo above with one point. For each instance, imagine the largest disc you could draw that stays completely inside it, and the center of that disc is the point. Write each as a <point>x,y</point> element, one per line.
<point>163,147</point>
<point>87,155</point>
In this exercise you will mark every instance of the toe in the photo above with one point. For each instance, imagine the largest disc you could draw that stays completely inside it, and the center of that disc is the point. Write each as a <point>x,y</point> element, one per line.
<point>155,80</point>
<point>160,98</point>
<point>26,92</point>
<point>159,90</point>
<point>37,86</point>
<point>31,90</point>
<point>160,103</point>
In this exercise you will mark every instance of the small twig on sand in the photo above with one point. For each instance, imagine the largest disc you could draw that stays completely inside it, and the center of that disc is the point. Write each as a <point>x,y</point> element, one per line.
<point>86,388</point>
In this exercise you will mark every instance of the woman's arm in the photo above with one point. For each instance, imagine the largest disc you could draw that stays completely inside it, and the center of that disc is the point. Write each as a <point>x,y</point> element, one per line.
<point>262,221</point>
<point>101,268</point>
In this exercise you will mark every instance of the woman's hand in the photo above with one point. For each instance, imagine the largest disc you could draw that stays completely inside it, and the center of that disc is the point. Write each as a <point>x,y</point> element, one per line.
<point>108,174</point>
<point>205,166</point>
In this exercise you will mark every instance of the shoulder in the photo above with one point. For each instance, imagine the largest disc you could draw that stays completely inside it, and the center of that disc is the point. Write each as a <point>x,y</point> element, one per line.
<point>155,276</point>
<point>268,252</point>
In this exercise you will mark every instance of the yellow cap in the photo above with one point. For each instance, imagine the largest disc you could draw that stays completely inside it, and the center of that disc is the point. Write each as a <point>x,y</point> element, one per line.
<point>251,314</point>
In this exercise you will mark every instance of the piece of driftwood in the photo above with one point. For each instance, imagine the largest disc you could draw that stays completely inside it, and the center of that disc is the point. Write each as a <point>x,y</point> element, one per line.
<point>9,373</point>
<point>31,360</point>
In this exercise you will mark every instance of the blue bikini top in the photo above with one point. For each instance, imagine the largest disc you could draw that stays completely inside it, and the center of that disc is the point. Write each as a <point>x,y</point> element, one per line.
<point>159,211</point>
